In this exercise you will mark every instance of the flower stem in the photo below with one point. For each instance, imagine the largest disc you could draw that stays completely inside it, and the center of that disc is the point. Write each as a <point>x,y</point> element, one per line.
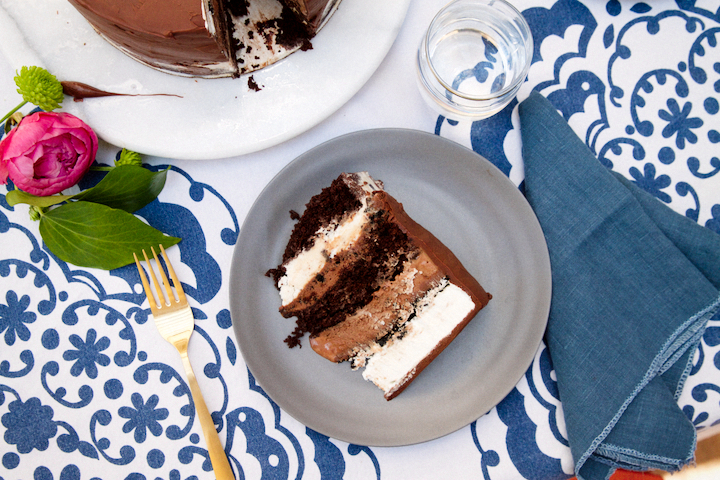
<point>13,111</point>
<point>100,169</point>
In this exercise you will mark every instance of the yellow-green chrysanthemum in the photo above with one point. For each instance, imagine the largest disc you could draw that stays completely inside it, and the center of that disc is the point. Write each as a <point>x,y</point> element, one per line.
<point>39,87</point>
<point>128,157</point>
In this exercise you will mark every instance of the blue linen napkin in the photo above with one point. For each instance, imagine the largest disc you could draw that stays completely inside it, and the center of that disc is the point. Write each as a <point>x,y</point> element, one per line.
<point>634,284</point>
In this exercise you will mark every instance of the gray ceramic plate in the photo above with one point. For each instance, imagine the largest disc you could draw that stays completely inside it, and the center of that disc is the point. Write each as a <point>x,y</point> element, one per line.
<point>469,205</point>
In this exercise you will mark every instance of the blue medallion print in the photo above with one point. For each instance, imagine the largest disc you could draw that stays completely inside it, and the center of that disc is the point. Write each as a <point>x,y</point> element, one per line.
<point>522,446</point>
<point>94,338</point>
<point>488,458</point>
<point>679,122</point>
<point>13,317</point>
<point>143,416</point>
<point>29,425</point>
<point>87,354</point>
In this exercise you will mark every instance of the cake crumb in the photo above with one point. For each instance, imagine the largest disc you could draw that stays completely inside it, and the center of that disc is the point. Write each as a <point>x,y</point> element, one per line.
<point>252,84</point>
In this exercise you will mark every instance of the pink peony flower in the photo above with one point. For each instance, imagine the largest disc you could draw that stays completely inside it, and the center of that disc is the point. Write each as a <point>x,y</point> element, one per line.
<point>47,152</point>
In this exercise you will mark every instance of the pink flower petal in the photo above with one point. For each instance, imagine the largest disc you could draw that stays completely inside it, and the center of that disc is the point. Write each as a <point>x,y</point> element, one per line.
<point>47,152</point>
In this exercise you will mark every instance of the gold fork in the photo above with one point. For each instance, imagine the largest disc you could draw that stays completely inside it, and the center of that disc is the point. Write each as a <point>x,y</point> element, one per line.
<point>175,322</point>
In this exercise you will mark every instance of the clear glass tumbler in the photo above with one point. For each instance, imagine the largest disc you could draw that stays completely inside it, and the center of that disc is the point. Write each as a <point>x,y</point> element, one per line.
<point>474,57</point>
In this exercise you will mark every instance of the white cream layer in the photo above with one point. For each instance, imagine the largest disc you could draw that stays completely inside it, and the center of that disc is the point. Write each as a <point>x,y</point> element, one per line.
<point>329,241</point>
<point>393,363</point>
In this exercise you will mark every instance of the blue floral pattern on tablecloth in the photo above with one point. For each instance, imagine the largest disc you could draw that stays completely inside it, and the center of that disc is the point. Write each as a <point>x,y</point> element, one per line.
<point>86,380</point>
<point>85,373</point>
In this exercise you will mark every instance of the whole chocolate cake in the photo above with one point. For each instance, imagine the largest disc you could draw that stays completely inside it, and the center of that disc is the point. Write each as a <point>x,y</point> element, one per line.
<point>372,286</point>
<point>207,38</point>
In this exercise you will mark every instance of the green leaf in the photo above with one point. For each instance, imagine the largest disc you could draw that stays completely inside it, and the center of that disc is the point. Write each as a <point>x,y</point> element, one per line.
<point>93,235</point>
<point>14,197</point>
<point>127,187</point>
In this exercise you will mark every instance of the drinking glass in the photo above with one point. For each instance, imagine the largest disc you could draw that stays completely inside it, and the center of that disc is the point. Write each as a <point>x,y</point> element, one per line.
<point>474,57</point>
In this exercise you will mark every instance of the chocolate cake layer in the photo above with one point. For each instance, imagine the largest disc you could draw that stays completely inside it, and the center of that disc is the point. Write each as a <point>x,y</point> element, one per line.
<point>329,206</point>
<point>348,281</point>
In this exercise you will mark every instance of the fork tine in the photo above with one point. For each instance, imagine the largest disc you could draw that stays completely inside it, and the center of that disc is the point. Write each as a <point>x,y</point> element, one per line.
<point>146,285</point>
<point>176,282</point>
<point>170,298</point>
<point>160,298</point>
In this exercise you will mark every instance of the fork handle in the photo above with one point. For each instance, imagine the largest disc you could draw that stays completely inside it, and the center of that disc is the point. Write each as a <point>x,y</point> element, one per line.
<point>219,460</point>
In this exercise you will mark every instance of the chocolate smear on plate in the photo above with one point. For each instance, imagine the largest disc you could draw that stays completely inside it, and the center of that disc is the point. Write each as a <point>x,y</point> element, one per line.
<point>80,91</point>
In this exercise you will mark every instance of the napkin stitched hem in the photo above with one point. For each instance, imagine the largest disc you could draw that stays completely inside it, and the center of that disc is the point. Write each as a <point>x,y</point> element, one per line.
<point>621,457</point>
<point>686,372</point>
<point>686,336</point>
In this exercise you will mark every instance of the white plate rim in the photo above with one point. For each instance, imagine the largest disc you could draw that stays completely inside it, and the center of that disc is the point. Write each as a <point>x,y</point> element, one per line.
<point>215,118</point>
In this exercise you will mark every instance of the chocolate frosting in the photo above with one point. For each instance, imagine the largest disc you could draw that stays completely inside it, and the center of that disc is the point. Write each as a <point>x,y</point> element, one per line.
<point>437,250</point>
<point>170,32</point>
<point>172,35</point>
<point>312,9</point>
